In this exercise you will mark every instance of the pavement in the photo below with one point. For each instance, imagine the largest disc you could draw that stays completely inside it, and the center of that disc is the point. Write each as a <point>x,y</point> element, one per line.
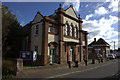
<point>58,70</point>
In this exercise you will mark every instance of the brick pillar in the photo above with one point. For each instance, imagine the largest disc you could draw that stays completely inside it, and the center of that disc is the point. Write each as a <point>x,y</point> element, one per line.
<point>60,21</point>
<point>80,36</point>
<point>45,41</point>
<point>68,52</point>
<point>86,44</point>
<point>75,53</point>
<point>19,67</point>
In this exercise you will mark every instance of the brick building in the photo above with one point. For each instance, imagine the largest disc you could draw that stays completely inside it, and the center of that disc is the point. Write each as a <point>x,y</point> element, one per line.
<point>57,38</point>
<point>98,47</point>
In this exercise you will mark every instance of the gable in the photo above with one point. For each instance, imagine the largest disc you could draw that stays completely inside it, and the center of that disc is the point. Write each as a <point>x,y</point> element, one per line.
<point>101,42</point>
<point>37,18</point>
<point>71,12</point>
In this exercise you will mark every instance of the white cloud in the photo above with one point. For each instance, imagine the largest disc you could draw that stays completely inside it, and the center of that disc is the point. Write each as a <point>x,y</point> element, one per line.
<point>101,11</point>
<point>88,16</point>
<point>22,23</point>
<point>76,4</point>
<point>111,42</point>
<point>101,28</point>
<point>113,5</point>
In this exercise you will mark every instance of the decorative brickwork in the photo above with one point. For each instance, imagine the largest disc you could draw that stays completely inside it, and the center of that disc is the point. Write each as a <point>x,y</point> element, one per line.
<point>70,46</point>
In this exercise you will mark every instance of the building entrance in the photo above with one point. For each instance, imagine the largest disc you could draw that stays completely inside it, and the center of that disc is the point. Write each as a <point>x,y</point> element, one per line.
<point>52,56</point>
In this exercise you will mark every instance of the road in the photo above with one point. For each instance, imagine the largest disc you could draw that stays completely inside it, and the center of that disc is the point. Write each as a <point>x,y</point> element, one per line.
<point>109,70</point>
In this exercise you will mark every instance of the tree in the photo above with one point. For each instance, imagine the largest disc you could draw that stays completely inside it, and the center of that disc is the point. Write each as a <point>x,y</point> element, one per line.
<point>12,34</point>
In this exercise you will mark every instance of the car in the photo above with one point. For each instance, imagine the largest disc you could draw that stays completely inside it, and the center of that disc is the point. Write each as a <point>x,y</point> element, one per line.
<point>115,55</point>
<point>111,56</point>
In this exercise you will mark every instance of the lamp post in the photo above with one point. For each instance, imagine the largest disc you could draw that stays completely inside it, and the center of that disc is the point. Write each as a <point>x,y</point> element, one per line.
<point>114,47</point>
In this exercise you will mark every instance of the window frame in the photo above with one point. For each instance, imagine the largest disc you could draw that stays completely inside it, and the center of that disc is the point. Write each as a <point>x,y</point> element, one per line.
<point>36,30</point>
<point>49,29</point>
<point>66,30</point>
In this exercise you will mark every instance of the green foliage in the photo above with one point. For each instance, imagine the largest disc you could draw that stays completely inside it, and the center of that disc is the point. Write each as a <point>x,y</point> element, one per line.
<point>12,34</point>
<point>7,76</point>
<point>8,69</point>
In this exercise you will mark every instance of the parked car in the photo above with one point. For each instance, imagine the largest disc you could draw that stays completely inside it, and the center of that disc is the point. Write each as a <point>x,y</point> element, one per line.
<point>115,55</point>
<point>111,56</point>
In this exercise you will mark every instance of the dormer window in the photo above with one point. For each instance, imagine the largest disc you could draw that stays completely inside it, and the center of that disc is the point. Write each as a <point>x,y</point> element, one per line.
<point>36,29</point>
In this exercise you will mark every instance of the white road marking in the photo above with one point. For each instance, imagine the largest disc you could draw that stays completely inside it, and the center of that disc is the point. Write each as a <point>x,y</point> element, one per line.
<point>78,71</point>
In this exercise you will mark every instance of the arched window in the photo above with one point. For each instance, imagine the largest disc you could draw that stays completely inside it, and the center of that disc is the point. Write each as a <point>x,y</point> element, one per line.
<point>71,30</point>
<point>66,29</point>
<point>75,32</point>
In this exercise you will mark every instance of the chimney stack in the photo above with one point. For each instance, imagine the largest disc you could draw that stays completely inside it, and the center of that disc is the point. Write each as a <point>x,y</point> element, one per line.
<point>95,39</point>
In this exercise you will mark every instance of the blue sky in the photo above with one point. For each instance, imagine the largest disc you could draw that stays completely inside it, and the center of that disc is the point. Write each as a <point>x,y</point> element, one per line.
<point>100,19</point>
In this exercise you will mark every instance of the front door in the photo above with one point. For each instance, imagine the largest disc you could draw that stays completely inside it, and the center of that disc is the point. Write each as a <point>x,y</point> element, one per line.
<point>83,56</point>
<point>52,56</point>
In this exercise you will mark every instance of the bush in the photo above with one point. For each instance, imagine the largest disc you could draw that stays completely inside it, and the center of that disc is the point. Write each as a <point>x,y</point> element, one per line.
<point>8,69</point>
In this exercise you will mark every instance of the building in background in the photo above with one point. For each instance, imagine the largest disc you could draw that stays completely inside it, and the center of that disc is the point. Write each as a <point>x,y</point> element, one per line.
<point>98,47</point>
<point>57,38</point>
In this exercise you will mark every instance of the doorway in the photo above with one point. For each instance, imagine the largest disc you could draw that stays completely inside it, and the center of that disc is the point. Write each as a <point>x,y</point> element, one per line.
<point>71,54</point>
<point>52,56</point>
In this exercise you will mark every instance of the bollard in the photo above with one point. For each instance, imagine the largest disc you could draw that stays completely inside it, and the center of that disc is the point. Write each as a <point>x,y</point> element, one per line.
<point>86,62</point>
<point>69,64</point>
<point>93,61</point>
<point>76,63</point>
<point>101,60</point>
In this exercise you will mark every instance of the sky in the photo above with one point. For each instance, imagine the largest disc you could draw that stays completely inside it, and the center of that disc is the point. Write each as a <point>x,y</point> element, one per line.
<point>100,19</point>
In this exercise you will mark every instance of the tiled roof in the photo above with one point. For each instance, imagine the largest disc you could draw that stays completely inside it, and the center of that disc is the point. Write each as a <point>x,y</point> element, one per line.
<point>99,42</point>
<point>92,43</point>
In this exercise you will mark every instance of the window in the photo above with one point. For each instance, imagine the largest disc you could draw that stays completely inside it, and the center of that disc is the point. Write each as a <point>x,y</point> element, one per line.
<point>36,29</point>
<point>71,30</point>
<point>55,30</point>
<point>66,29</point>
<point>49,29</point>
<point>36,48</point>
<point>75,32</point>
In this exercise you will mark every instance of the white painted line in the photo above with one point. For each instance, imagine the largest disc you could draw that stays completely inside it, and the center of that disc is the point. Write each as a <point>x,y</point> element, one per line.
<point>78,71</point>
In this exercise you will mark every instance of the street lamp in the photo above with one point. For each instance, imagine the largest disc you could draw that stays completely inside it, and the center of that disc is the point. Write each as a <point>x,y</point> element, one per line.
<point>114,47</point>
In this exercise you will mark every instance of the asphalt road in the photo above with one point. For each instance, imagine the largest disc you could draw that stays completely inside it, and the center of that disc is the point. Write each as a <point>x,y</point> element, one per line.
<point>107,69</point>
<point>110,70</point>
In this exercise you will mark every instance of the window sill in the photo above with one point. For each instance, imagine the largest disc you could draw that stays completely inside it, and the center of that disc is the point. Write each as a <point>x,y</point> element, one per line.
<point>71,37</point>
